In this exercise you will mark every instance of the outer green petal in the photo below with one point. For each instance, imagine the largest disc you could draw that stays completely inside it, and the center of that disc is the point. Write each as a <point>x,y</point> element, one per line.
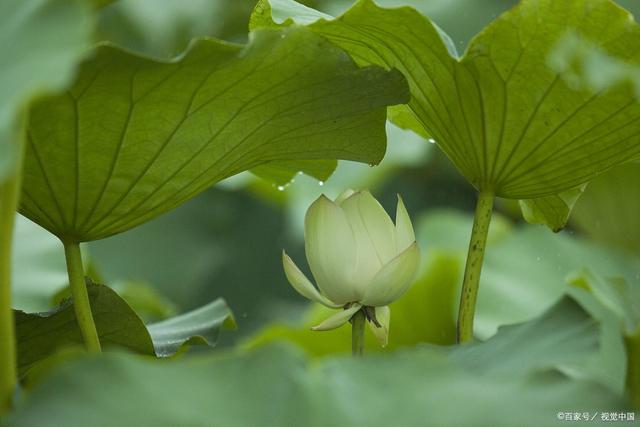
<point>301,284</point>
<point>338,319</point>
<point>374,234</point>
<point>383,316</point>
<point>404,229</point>
<point>344,196</point>
<point>331,251</point>
<point>393,279</point>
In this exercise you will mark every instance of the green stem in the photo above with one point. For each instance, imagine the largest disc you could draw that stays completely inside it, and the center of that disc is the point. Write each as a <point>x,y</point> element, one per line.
<point>8,379</point>
<point>472,271</point>
<point>9,199</point>
<point>357,333</point>
<point>81,297</point>
<point>632,345</point>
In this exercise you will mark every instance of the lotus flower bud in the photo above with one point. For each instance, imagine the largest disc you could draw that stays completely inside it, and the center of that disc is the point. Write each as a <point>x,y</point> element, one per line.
<point>359,259</point>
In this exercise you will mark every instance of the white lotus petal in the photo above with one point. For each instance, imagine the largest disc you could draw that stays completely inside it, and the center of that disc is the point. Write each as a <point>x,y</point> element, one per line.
<point>337,319</point>
<point>404,229</point>
<point>344,196</point>
<point>383,316</point>
<point>330,249</point>
<point>300,283</point>
<point>374,235</point>
<point>393,279</point>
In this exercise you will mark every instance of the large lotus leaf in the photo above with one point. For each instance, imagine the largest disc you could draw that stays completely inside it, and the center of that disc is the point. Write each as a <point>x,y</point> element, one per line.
<point>135,137</point>
<point>609,209</point>
<point>42,335</point>
<point>509,122</point>
<point>41,41</point>
<point>276,386</point>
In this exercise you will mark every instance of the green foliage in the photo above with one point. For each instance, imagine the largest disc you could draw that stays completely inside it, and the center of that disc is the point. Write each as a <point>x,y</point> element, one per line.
<point>143,27</point>
<point>525,267</point>
<point>584,64</point>
<point>619,296</point>
<point>170,130</point>
<point>524,274</point>
<point>38,267</point>
<point>608,210</point>
<point>497,381</point>
<point>508,122</point>
<point>543,100</point>
<point>210,247</point>
<point>616,303</point>
<point>41,335</point>
<point>146,300</point>
<point>553,211</point>
<point>41,41</point>
<point>200,326</point>
<point>281,173</point>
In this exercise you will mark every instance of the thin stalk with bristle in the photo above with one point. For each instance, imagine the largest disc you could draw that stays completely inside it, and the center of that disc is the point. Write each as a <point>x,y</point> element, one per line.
<point>357,333</point>
<point>81,304</point>
<point>473,268</point>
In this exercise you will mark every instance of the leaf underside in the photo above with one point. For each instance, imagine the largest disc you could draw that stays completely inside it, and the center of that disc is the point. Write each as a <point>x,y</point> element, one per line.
<point>509,122</point>
<point>135,137</point>
<point>41,335</point>
<point>199,326</point>
<point>552,211</point>
<point>40,43</point>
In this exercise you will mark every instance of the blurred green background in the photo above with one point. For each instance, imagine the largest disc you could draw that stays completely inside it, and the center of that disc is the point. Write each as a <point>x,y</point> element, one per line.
<point>227,241</point>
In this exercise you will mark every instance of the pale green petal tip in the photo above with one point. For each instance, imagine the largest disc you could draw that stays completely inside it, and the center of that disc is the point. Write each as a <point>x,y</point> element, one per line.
<point>322,206</point>
<point>337,319</point>
<point>319,203</point>
<point>383,316</point>
<point>404,228</point>
<point>344,196</point>
<point>371,206</point>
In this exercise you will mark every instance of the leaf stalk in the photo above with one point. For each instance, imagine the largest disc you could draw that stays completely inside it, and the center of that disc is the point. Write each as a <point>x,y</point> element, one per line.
<point>473,268</point>
<point>81,304</point>
<point>10,190</point>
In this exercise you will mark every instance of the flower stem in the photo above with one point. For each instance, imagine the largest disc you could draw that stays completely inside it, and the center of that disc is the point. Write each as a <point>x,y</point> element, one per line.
<point>632,345</point>
<point>9,199</point>
<point>80,297</point>
<point>357,333</point>
<point>472,271</point>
